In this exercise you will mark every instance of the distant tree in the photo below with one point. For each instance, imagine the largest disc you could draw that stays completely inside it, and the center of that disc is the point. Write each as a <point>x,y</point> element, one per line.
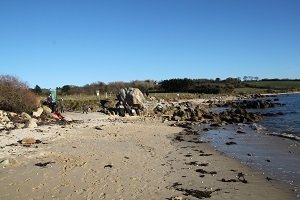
<point>65,89</point>
<point>37,90</point>
<point>233,81</point>
<point>218,79</point>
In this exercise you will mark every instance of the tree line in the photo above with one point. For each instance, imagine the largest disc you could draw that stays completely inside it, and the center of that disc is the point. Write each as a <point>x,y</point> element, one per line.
<point>207,86</point>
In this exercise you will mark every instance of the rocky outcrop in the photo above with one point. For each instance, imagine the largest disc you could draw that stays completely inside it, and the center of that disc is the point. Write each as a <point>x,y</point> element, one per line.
<point>254,104</point>
<point>10,120</point>
<point>187,112</point>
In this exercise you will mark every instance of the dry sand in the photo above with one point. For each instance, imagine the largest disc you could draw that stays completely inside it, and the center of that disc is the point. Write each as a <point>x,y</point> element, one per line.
<point>124,158</point>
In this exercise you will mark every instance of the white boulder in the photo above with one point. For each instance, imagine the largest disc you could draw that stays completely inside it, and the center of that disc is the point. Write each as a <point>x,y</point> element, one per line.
<point>38,112</point>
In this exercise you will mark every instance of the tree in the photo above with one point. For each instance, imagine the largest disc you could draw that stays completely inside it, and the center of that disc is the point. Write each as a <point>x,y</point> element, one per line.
<point>37,90</point>
<point>65,89</point>
<point>16,96</point>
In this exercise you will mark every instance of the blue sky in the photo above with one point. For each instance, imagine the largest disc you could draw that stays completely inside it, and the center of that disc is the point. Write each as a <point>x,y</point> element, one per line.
<point>52,43</point>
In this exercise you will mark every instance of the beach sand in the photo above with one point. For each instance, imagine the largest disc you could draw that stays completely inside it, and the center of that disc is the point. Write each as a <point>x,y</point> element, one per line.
<point>103,157</point>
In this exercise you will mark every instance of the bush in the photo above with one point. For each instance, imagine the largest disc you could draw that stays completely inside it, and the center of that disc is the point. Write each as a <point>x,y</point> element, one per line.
<point>15,96</point>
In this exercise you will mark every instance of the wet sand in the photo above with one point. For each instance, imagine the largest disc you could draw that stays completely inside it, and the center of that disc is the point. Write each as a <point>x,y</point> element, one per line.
<point>104,157</point>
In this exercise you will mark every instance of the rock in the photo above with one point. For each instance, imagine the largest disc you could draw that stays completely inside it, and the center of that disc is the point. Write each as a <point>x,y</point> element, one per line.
<point>5,119</point>
<point>25,115</point>
<point>98,128</point>
<point>194,118</point>
<point>43,165</point>
<point>180,113</point>
<point>9,125</point>
<point>19,125</point>
<point>241,132</point>
<point>134,97</point>
<point>8,162</point>
<point>255,104</point>
<point>29,141</point>
<point>240,111</point>
<point>215,125</point>
<point>159,108</point>
<point>230,143</point>
<point>31,123</point>
<point>2,127</point>
<point>122,94</point>
<point>47,110</point>
<point>68,119</point>
<point>106,103</point>
<point>13,114</point>
<point>176,118</point>
<point>177,198</point>
<point>38,112</point>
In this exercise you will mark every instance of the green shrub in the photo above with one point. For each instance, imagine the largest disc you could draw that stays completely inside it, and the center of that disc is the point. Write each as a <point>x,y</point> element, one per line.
<point>15,96</point>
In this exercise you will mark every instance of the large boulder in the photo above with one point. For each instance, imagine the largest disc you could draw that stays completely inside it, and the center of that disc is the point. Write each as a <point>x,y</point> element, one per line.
<point>134,97</point>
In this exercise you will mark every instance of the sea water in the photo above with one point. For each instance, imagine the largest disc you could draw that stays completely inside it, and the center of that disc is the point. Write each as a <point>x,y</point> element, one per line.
<point>289,121</point>
<point>277,157</point>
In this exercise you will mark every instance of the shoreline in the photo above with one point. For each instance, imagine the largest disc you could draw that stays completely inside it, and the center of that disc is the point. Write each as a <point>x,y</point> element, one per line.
<point>128,158</point>
<point>276,158</point>
<point>227,170</point>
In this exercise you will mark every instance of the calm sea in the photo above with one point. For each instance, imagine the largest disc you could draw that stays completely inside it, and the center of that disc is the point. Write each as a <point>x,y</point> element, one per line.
<point>289,122</point>
<point>276,157</point>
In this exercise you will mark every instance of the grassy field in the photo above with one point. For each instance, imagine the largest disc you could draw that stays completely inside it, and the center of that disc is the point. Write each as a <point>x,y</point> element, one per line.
<point>276,84</point>
<point>247,90</point>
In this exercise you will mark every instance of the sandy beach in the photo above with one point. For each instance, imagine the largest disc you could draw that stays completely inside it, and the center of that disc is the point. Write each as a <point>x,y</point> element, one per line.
<point>105,157</point>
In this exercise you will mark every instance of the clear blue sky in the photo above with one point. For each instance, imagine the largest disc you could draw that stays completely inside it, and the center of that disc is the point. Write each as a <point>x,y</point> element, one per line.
<point>52,43</point>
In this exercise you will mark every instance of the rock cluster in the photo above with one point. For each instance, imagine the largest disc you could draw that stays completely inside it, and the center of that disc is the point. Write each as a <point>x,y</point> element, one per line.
<point>187,112</point>
<point>254,104</point>
<point>10,120</point>
<point>130,100</point>
<point>201,113</point>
